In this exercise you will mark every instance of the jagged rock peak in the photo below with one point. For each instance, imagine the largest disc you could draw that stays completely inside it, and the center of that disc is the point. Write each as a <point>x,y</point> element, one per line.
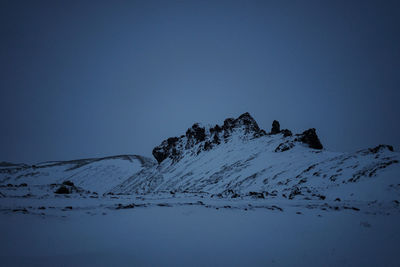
<point>276,128</point>
<point>174,147</point>
<point>310,137</point>
<point>245,120</point>
<point>198,138</point>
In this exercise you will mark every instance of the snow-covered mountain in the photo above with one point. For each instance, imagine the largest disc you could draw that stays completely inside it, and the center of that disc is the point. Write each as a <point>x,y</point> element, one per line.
<point>233,160</point>
<point>229,194</point>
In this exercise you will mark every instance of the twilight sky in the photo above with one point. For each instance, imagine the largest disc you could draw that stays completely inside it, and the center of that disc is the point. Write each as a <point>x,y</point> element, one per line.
<point>95,78</point>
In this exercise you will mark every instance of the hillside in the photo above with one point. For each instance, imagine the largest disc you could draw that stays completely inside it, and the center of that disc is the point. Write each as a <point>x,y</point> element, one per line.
<point>236,159</point>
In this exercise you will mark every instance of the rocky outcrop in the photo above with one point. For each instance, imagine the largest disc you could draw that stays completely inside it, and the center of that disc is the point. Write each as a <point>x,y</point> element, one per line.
<point>282,147</point>
<point>286,133</point>
<point>198,138</point>
<point>381,148</point>
<point>310,137</point>
<point>244,121</point>
<point>203,139</point>
<point>276,128</point>
<point>166,149</point>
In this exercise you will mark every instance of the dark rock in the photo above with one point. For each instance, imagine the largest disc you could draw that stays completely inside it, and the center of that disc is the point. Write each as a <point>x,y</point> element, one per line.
<point>159,154</point>
<point>62,190</point>
<point>337,199</point>
<point>216,129</point>
<point>164,205</point>
<point>276,128</point>
<point>310,137</point>
<point>207,145</point>
<point>295,191</point>
<point>260,133</point>
<point>167,148</point>
<point>380,148</point>
<point>272,194</point>
<point>196,132</point>
<point>302,181</point>
<point>276,207</point>
<point>216,139</point>
<point>351,208</point>
<point>247,120</point>
<point>229,123</point>
<point>282,147</point>
<point>172,140</point>
<point>286,133</point>
<point>128,206</point>
<point>256,194</point>
<point>23,185</point>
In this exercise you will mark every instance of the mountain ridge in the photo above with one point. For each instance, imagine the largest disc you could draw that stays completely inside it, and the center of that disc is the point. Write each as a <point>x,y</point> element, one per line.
<point>228,160</point>
<point>211,136</point>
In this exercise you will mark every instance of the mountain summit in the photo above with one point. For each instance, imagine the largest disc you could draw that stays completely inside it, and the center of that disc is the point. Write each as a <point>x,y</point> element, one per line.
<point>245,127</point>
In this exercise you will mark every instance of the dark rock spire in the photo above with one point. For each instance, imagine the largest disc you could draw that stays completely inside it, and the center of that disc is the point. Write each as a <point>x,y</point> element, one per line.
<point>276,128</point>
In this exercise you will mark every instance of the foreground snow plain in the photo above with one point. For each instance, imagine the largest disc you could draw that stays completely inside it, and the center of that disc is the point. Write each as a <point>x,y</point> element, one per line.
<point>196,230</point>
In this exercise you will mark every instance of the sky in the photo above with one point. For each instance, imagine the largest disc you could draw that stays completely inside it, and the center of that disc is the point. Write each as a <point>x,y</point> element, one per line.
<point>85,79</point>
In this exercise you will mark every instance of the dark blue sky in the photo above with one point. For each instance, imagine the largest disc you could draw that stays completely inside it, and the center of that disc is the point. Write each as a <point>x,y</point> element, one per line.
<point>92,78</point>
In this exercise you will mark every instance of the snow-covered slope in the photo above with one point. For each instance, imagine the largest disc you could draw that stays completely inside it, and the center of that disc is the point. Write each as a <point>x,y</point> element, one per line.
<point>98,174</point>
<point>233,160</point>
<point>247,162</point>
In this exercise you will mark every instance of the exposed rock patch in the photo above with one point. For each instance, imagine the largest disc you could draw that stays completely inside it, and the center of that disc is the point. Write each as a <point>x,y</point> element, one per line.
<point>286,133</point>
<point>284,147</point>
<point>310,137</point>
<point>276,128</point>
<point>380,148</point>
